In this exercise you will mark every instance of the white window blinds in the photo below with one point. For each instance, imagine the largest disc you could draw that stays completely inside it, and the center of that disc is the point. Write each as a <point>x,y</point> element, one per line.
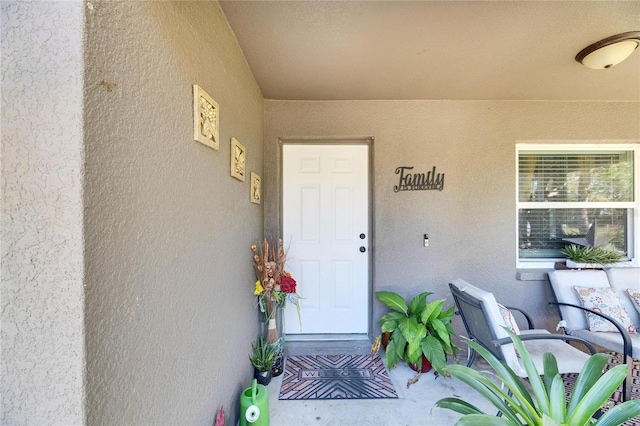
<point>576,177</point>
<point>562,193</point>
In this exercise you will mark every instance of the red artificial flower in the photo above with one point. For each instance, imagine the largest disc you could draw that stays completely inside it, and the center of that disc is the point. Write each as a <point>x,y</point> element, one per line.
<point>287,284</point>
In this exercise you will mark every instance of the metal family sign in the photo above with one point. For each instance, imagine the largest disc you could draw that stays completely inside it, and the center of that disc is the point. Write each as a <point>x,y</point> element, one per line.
<point>418,181</point>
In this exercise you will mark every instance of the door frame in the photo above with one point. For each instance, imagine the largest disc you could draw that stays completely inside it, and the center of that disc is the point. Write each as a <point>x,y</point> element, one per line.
<point>361,140</point>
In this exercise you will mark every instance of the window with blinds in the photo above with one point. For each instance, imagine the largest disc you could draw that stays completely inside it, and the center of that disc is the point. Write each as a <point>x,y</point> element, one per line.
<point>565,190</point>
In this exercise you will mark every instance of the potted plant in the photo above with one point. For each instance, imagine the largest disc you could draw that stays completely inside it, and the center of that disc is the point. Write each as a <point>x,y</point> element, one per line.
<point>594,250</point>
<point>543,402</point>
<point>416,331</point>
<point>591,257</point>
<point>262,358</point>
<point>273,288</point>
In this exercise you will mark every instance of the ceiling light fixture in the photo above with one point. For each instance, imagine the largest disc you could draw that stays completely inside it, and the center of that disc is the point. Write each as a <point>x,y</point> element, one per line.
<point>610,51</point>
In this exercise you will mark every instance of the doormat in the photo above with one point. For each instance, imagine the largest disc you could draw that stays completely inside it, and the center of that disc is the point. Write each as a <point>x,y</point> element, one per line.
<point>336,377</point>
<point>615,399</point>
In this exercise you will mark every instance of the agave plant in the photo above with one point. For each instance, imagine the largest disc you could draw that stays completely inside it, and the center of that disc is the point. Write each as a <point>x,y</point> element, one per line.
<point>602,255</point>
<point>262,355</point>
<point>417,329</point>
<point>546,404</point>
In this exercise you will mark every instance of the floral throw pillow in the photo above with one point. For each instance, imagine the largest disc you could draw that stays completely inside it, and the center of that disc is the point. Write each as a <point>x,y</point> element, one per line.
<point>607,301</point>
<point>635,298</point>
<point>509,320</point>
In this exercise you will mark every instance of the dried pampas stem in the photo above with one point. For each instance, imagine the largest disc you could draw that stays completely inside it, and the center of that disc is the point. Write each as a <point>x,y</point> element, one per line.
<point>412,381</point>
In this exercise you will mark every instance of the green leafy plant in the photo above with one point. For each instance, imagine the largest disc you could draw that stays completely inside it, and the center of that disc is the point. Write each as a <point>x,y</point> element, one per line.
<point>417,329</point>
<point>602,255</point>
<point>263,354</point>
<point>546,404</point>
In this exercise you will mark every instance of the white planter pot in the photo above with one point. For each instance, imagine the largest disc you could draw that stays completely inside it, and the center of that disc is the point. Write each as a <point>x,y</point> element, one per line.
<point>579,265</point>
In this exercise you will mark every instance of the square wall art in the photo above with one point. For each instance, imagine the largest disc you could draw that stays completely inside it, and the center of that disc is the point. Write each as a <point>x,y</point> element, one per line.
<point>206,118</point>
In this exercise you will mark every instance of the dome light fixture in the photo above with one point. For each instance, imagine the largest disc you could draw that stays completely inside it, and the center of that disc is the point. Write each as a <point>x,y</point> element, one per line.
<point>609,51</point>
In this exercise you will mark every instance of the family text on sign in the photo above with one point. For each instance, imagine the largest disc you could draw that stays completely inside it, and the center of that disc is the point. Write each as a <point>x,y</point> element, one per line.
<point>418,181</point>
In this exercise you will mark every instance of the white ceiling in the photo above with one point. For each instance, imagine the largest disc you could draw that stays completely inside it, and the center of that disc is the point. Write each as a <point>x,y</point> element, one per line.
<point>474,50</point>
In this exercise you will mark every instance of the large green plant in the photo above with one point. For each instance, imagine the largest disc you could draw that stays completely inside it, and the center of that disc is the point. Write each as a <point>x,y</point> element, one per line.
<point>416,329</point>
<point>546,404</point>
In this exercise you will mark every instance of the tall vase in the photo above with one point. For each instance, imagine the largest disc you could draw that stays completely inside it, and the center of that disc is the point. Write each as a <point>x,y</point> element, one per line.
<point>273,331</point>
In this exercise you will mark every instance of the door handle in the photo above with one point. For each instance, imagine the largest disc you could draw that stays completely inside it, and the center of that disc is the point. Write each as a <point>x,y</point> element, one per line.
<point>362,249</point>
<point>362,236</point>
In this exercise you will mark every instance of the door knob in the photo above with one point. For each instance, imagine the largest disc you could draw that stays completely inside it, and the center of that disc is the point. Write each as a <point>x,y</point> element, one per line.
<point>362,249</point>
<point>362,236</point>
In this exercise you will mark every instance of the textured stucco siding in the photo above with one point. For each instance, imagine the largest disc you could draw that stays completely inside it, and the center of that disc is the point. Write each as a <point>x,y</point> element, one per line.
<point>472,221</point>
<point>170,313</point>
<point>42,236</point>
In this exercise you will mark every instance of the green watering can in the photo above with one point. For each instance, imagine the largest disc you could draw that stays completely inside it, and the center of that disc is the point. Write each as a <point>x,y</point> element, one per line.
<point>254,406</point>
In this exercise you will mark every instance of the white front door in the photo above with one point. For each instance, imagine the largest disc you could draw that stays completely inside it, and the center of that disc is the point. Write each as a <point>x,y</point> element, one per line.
<point>325,208</point>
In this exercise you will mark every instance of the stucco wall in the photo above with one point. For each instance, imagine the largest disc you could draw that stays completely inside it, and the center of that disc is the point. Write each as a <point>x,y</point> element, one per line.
<point>471,223</point>
<point>42,238</point>
<point>170,313</point>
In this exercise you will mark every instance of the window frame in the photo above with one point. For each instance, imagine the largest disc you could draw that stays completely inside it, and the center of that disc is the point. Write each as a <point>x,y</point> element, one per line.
<point>634,219</point>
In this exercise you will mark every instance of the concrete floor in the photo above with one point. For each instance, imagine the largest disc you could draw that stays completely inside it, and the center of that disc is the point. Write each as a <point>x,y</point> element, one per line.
<point>414,406</point>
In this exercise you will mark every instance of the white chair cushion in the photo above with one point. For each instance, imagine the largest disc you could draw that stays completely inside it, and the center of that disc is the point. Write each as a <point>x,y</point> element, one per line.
<point>570,359</point>
<point>606,301</point>
<point>494,320</point>
<point>624,279</point>
<point>563,281</point>
<point>610,341</point>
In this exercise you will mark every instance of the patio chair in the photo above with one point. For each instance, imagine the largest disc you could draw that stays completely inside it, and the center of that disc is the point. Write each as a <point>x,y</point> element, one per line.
<point>485,323</point>
<point>574,319</point>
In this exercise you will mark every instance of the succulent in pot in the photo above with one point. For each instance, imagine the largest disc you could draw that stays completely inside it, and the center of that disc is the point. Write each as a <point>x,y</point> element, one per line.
<point>591,257</point>
<point>594,250</point>
<point>262,358</point>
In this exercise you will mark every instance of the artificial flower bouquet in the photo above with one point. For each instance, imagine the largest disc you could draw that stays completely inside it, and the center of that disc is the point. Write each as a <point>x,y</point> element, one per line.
<point>274,285</point>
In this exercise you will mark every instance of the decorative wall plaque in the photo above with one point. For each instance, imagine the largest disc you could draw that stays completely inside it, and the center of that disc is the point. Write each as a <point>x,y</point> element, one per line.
<point>238,159</point>
<point>418,181</point>
<point>255,188</point>
<point>206,118</point>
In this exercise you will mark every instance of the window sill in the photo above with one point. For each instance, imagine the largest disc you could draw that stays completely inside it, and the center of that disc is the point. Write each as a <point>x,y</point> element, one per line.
<point>532,274</point>
<point>539,272</point>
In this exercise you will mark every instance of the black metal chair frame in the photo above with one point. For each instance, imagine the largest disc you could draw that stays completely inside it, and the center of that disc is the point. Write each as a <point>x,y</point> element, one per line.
<point>626,342</point>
